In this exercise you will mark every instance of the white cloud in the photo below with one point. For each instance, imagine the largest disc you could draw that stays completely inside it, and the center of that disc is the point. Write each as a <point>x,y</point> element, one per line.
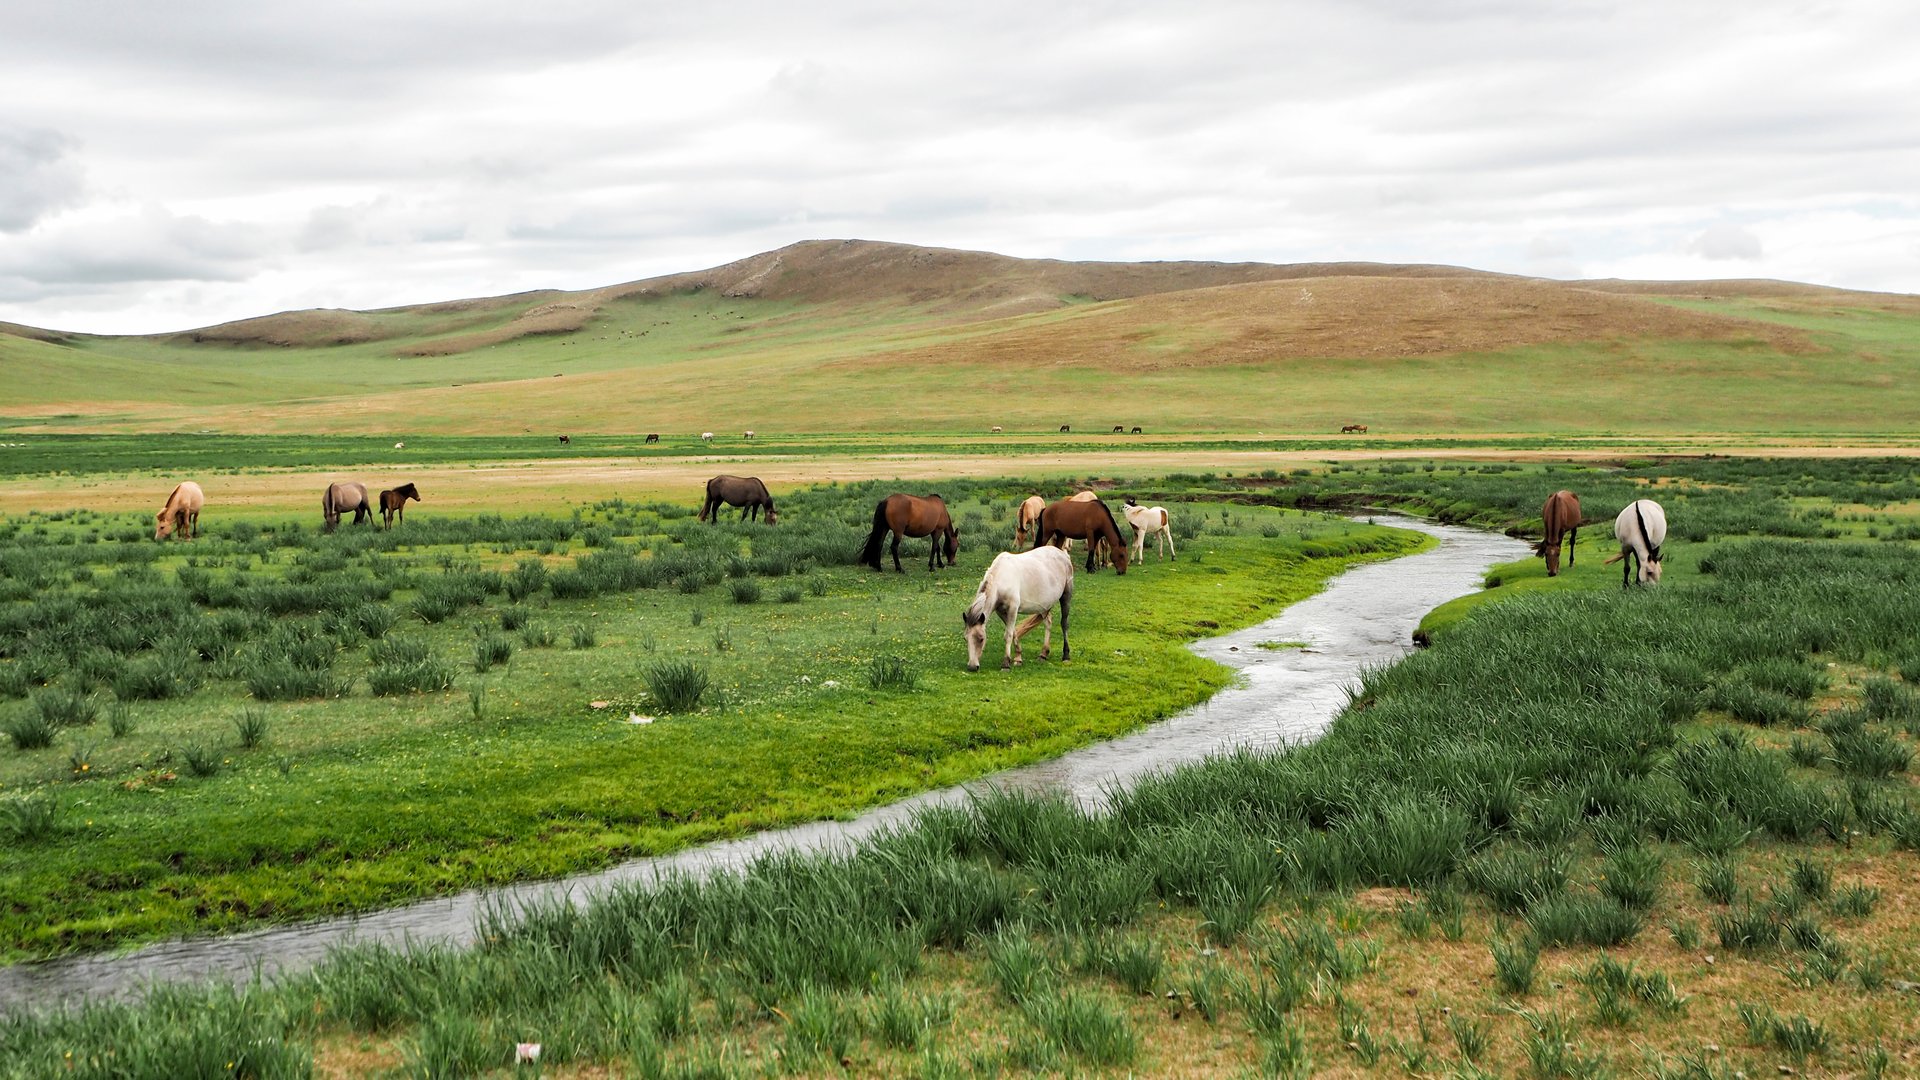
<point>367,154</point>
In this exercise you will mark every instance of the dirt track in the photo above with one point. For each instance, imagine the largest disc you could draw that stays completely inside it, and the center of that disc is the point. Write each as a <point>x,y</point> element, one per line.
<point>514,486</point>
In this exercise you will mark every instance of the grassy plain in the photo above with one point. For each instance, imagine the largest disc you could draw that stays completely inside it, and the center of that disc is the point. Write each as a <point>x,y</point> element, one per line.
<point>1667,832</point>
<point>437,726</point>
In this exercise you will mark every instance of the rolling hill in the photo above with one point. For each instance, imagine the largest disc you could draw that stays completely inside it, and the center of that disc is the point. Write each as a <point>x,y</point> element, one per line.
<point>853,335</point>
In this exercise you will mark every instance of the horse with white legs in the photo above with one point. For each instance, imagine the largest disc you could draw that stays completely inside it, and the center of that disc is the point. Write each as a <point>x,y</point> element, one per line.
<point>1145,520</point>
<point>1641,528</point>
<point>1020,583</point>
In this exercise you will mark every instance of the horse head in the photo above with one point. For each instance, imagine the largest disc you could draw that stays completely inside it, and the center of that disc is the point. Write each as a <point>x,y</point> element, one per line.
<point>770,517</point>
<point>1550,551</point>
<point>974,623</point>
<point>163,523</point>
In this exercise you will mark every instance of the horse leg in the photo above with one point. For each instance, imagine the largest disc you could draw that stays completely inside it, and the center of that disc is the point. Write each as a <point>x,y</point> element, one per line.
<point>1573,538</point>
<point>1626,572</point>
<point>896,554</point>
<point>1066,601</point>
<point>1025,628</point>
<point>1091,545</point>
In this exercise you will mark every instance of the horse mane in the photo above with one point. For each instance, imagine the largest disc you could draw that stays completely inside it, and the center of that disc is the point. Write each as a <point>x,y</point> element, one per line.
<point>1653,549</point>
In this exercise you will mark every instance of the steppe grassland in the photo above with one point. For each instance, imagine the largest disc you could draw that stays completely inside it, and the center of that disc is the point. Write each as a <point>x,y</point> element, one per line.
<point>1590,833</point>
<point>653,364</point>
<point>422,699</point>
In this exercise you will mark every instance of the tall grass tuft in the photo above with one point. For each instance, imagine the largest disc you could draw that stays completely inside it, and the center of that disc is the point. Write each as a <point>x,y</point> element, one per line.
<point>29,729</point>
<point>892,673</point>
<point>250,727</point>
<point>28,817</point>
<point>677,685</point>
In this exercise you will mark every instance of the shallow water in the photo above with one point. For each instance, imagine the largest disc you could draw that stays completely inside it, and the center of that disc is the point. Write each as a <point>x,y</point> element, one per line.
<point>1364,618</point>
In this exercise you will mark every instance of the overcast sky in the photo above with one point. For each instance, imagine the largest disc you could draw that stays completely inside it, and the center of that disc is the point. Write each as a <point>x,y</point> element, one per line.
<point>164,166</point>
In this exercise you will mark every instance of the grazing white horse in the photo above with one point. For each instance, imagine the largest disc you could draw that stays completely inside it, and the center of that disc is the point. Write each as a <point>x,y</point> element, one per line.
<point>1149,519</point>
<point>706,436</point>
<point>182,512</point>
<point>1029,513</point>
<point>1019,583</point>
<point>748,435</point>
<point>1641,528</point>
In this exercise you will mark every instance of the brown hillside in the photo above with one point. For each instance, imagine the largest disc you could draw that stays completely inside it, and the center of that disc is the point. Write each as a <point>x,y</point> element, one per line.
<point>1341,317</point>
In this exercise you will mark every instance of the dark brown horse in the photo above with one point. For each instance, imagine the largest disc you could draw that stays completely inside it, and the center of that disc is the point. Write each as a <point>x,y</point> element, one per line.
<point>394,504</point>
<point>912,516</point>
<point>1561,517</point>
<point>1089,520</point>
<point>745,492</point>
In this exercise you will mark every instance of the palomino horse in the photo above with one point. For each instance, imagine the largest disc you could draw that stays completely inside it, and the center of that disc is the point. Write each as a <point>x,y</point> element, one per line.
<point>342,497</point>
<point>1145,520</point>
<point>1026,583</point>
<point>1641,528</point>
<point>1071,519</point>
<point>1561,518</point>
<point>745,492</point>
<point>1029,513</point>
<point>912,516</point>
<point>182,512</point>
<point>394,504</point>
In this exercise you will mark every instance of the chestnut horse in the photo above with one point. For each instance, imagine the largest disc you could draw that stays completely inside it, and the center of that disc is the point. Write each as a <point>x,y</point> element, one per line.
<point>912,516</point>
<point>394,504</point>
<point>182,512</point>
<point>745,492</point>
<point>1070,519</point>
<point>1561,518</point>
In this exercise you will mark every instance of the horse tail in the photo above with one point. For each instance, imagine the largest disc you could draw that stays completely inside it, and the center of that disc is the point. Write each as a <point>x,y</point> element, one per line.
<point>870,555</point>
<point>1653,549</point>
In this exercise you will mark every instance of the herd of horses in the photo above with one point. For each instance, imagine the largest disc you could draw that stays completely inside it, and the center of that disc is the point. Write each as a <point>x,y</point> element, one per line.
<point>1032,582</point>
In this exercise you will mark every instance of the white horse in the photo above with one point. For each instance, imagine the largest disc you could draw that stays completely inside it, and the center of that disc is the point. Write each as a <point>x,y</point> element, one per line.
<point>1641,528</point>
<point>1029,513</point>
<point>1149,519</point>
<point>706,436</point>
<point>182,512</point>
<point>1019,583</point>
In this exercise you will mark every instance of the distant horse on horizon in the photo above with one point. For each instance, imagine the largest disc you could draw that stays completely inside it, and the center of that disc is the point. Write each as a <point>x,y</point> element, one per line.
<point>393,503</point>
<point>341,497</point>
<point>1354,428</point>
<point>1641,528</point>
<point>1559,518</point>
<point>1020,583</point>
<point>745,492</point>
<point>912,516</point>
<point>182,512</point>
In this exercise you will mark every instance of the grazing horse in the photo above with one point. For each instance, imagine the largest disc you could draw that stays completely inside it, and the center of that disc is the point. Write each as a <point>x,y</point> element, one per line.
<point>1560,517</point>
<point>1119,429</point>
<point>748,436</point>
<point>706,436</point>
<point>912,516</point>
<point>1641,528</point>
<point>653,436</point>
<point>1073,519</point>
<point>182,512</point>
<point>566,440</point>
<point>745,492</point>
<point>996,429</point>
<point>1136,429</point>
<point>1145,520</point>
<point>1064,428</point>
<point>342,497</point>
<point>1351,428</point>
<point>1026,583</point>
<point>394,504</point>
<point>1029,513</point>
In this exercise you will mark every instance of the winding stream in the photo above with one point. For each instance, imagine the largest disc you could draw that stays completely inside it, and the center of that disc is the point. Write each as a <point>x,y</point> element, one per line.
<point>1363,618</point>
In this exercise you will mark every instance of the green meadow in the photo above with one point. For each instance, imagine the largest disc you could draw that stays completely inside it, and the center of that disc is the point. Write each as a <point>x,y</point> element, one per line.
<point>1591,831</point>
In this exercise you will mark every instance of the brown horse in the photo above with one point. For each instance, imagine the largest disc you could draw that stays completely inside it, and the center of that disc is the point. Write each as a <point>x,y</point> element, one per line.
<point>181,513</point>
<point>1561,518</point>
<point>653,436</point>
<point>1091,521</point>
<point>394,504</point>
<point>745,492</point>
<point>1353,428</point>
<point>912,516</point>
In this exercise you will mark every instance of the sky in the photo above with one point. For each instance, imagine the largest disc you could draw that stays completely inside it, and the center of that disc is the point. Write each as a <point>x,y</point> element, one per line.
<point>169,166</point>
